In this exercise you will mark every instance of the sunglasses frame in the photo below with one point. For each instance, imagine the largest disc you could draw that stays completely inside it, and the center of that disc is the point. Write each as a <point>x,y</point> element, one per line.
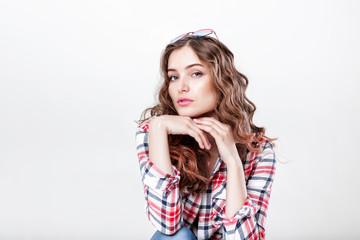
<point>210,31</point>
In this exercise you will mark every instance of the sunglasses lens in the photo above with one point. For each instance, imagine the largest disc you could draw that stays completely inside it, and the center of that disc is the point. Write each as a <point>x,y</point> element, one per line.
<point>178,37</point>
<point>202,33</point>
<point>197,34</point>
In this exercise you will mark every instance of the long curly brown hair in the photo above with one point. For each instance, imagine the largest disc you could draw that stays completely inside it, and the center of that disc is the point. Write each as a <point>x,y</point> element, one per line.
<point>234,109</point>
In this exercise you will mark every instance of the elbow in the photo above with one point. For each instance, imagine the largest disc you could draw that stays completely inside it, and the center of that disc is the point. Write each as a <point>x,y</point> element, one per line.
<point>173,224</point>
<point>168,223</point>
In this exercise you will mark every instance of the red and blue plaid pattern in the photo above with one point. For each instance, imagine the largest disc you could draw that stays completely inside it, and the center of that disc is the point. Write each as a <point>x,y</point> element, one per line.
<point>204,213</point>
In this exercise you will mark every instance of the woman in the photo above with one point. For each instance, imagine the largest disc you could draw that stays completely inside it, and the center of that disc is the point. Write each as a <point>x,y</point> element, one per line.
<point>207,169</point>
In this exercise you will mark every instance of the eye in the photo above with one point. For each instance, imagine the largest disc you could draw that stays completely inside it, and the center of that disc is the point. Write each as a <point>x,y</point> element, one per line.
<point>197,74</point>
<point>173,78</point>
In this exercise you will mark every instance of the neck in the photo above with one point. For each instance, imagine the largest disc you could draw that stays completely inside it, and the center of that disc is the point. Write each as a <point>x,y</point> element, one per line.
<point>213,154</point>
<point>209,114</point>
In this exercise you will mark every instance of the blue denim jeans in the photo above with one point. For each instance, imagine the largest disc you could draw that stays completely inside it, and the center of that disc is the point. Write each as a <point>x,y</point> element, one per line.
<point>183,234</point>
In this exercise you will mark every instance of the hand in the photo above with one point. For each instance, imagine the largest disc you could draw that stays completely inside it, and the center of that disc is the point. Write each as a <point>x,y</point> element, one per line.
<point>223,136</point>
<point>178,125</point>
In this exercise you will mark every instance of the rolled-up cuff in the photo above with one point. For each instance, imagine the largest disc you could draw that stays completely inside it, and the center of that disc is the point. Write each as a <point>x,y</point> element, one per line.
<point>159,181</point>
<point>249,209</point>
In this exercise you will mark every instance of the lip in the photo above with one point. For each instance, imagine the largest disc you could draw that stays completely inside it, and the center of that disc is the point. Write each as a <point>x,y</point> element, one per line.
<point>184,101</point>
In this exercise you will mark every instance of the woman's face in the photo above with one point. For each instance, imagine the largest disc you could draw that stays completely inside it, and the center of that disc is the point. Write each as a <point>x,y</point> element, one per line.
<point>191,85</point>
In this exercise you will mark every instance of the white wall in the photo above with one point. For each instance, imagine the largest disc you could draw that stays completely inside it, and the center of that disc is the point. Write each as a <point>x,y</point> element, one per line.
<point>74,75</point>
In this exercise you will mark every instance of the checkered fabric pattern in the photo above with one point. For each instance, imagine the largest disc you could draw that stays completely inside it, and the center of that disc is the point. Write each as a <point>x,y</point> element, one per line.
<point>204,213</point>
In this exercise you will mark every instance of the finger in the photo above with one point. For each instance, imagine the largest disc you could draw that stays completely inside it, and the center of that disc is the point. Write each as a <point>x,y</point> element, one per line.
<point>211,121</point>
<point>197,136</point>
<point>202,135</point>
<point>192,130</point>
<point>211,129</point>
<point>221,131</point>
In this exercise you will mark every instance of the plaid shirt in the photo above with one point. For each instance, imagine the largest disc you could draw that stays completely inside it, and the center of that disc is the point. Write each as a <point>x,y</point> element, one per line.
<point>204,213</point>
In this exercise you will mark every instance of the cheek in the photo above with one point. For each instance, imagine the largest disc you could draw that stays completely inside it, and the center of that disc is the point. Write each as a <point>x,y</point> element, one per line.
<point>171,91</point>
<point>211,93</point>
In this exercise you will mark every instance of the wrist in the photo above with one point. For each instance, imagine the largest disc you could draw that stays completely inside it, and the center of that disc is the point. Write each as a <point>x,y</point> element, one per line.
<point>157,125</point>
<point>234,165</point>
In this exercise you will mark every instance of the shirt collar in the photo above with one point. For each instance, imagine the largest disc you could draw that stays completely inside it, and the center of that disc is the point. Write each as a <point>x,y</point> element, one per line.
<point>217,166</point>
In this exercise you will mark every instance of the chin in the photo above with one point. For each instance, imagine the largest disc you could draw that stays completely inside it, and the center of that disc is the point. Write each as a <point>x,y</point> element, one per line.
<point>187,115</point>
<point>197,114</point>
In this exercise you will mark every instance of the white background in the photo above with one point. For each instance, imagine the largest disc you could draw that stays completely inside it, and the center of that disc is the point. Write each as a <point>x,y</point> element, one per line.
<point>74,75</point>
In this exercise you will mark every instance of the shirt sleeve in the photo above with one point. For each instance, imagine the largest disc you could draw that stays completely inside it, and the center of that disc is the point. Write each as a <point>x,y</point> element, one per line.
<point>249,221</point>
<point>162,195</point>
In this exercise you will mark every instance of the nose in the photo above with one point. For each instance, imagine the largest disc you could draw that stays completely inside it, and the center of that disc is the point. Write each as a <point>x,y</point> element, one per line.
<point>183,85</point>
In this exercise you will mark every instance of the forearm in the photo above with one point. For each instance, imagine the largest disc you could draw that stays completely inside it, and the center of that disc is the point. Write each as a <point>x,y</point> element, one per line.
<point>164,212</point>
<point>163,201</point>
<point>235,188</point>
<point>159,146</point>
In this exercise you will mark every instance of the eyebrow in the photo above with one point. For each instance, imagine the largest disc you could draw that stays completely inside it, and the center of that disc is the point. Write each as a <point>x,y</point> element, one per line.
<point>187,67</point>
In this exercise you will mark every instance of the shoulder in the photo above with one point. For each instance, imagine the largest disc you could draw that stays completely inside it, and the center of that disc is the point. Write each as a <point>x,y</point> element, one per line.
<point>266,144</point>
<point>142,132</point>
<point>267,152</point>
<point>145,125</point>
<point>266,149</point>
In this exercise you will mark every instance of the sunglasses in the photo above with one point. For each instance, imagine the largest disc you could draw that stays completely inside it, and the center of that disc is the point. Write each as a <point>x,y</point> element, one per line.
<point>197,34</point>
